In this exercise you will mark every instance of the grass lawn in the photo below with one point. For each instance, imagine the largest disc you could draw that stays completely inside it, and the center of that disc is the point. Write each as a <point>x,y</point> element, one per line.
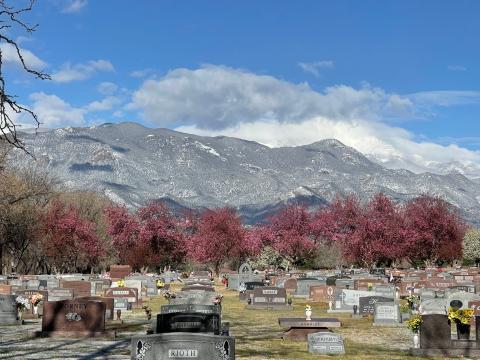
<point>258,335</point>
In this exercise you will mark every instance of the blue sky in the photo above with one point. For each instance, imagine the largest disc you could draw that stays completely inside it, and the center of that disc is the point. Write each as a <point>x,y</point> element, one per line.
<point>398,80</point>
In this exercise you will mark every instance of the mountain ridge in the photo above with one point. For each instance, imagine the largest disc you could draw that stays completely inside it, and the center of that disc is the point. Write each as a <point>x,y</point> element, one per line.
<point>132,164</point>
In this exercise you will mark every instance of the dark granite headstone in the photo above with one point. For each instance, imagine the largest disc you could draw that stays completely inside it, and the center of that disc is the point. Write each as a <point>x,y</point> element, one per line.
<point>190,308</point>
<point>435,332</point>
<point>188,322</point>
<point>367,304</point>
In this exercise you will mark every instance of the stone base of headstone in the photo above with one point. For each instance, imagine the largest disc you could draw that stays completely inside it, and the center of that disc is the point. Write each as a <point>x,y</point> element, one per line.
<point>442,353</point>
<point>30,317</point>
<point>113,322</point>
<point>108,334</point>
<point>301,334</point>
<point>357,316</point>
<point>389,324</point>
<point>345,311</point>
<point>182,346</point>
<point>269,307</point>
<point>299,328</point>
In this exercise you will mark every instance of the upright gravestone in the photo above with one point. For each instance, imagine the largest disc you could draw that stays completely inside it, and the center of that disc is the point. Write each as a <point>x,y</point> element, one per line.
<point>366,304</point>
<point>386,313</point>
<point>8,310</point>
<point>191,308</point>
<point>118,272</point>
<point>435,332</point>
<point>60,294</point>
<point>80,288</point>
<point>326,343</point>
<point>75,318</point>
<point>269,298</point>
<point>188,322</point>
<point>183,346</point>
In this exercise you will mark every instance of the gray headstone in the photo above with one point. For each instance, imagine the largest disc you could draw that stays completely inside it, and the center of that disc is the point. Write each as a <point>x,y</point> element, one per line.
<point>386,313</point>
<point>183,346</point>
<point>8,310</point>
<point>326,343</point>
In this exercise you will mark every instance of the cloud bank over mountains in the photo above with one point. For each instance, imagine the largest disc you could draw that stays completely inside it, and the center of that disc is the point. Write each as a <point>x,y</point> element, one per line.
<point>218,100</point>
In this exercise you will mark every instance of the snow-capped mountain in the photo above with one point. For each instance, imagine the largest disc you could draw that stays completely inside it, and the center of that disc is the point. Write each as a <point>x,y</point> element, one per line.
<point>132,164</point>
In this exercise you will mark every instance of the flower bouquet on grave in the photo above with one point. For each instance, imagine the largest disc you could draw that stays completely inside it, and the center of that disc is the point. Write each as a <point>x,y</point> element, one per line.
<point>369,286</point>
<point>414,323</point>
<point>160,284</point>
<point>148,311</point>
<point>462,318</point>
<point>169,295</point>
<point>217,299</point>
<point>121,283</point>
<point>22,304</point>
<point>36,299</point>
<point>412,299</point>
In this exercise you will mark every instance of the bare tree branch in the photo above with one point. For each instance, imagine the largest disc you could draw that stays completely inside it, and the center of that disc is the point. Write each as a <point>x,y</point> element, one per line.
<point>9,17</point>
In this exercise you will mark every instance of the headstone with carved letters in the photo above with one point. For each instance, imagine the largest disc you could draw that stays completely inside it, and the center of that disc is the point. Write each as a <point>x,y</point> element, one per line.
<point>82,318</point>
<point>183,346</point>
<point>326,343</point>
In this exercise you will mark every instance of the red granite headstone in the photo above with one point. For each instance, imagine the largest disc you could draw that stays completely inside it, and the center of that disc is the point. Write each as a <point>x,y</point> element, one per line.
<point>80,288</point>
<point>119,271</point>
<point>74,315</point>
<point>322,293</point>
<point>5,289</point>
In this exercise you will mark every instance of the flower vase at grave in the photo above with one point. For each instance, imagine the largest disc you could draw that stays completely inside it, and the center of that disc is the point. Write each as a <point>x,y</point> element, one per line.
<point>330,305</point>
<point>308,314</point>
<point>35,309</point>
<point>416,340</point>
<point>463,331</point>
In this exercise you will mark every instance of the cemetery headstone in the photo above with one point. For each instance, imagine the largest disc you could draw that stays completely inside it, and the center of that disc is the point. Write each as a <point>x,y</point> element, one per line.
<point>8,310</point>
<point>60,294</point>
<point>326,343</point>
<point>118,272</point>
<point>269,298</point>
<point>366,304</point>
<point>74,318</point>
<point>183,346</point>
<point>435,332</point>
<point>190,308</point>
<point>386,313</point>
<point>80,288</point>
<point>123,292</point>
<point>188,322</point>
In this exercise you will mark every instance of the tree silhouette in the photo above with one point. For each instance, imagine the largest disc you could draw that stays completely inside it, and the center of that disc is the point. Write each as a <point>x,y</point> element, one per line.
<point>10,19</point>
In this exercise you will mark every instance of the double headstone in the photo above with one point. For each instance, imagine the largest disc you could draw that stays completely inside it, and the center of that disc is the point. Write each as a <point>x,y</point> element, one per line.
<point>326,343</point>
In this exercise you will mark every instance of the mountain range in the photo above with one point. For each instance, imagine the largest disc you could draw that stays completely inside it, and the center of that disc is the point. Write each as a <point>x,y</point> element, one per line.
<point>132,164</point>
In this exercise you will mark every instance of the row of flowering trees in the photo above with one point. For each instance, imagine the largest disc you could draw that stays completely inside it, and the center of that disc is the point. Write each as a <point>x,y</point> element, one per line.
<point>425,229</point>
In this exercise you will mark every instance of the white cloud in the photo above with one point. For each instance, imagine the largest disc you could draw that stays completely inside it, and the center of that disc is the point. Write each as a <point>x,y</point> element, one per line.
<point>107,103</point>
<point>217,97</point>
<point>73,6</point>
<point>314,67</point>
<point>79,72</point>
<point>9,55</point>
<point>215,100</point>
<point>392,146</point>
<point>52,111</point>
<point>107,88</point>
<point>141,73</point>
